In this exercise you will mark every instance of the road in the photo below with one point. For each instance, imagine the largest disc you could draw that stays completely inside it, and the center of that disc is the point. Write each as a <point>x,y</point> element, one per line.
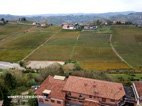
<point>117,54</point>
<point>71,56</point>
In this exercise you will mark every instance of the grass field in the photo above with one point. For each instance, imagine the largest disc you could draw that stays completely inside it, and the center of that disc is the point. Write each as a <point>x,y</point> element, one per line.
<point>10,30</point>
<point>124,78</point>
<point>94,52</point>
<point>17,45</point>
<point>90,48</point>
<point>58,48</point>
<point>128,42</point>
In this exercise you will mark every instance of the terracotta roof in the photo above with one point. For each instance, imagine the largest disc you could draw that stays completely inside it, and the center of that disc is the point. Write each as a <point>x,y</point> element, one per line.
<point>138,85</point>
<point>54,85</point>
<point>93,87</point>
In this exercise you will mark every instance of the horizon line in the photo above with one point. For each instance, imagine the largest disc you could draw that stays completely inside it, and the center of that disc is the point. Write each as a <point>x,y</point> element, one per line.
<point>65,13</point>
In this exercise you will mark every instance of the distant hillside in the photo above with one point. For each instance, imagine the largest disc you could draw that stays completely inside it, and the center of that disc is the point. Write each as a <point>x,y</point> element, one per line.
<point>134,17</point>
<point>9,17</point>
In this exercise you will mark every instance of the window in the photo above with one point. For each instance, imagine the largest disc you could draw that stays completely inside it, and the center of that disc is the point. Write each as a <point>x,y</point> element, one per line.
<point>69,93</point>
<point>59,102</point>
<point>46,95</point>
<point>41,100</point>
<point>80,95</point>
<point>103,100</point>
<point>112,100</point>
<point>46,100</point>
<point>80,101</point>
<point>90,96</point>
<point>52,100</point>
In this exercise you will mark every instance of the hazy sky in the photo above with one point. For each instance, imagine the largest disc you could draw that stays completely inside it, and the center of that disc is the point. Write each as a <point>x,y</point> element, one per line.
<point>29,7</point>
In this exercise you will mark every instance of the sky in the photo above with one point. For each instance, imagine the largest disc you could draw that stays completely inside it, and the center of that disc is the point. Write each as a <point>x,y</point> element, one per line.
<point>33,7</point>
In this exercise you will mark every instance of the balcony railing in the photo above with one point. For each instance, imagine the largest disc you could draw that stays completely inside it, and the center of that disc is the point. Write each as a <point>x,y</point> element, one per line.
<point>75,99</point>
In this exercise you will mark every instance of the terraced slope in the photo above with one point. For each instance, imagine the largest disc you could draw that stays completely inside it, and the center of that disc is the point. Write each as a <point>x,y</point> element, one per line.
<point>128,42</point>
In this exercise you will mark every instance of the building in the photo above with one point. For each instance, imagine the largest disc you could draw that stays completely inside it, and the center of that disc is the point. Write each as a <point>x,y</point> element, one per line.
<point>88,27</point>
<point>137,88</point>
<point>119,22</point>
<point>75,26</point>
<point>52,88</point>
<point>68,26</point>
<point>34,23</point>
<point>44,25</point>
<point>129,99</point>
<point>2,22</point>
<point>78,91</point>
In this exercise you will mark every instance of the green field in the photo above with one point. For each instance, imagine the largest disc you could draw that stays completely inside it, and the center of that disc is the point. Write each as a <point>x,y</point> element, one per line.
<point>94,52</point>
<point>90,48</point>
<point>19,40</point>
<point>59,48</point>
<point>128,42</point>
<point>125,78</point>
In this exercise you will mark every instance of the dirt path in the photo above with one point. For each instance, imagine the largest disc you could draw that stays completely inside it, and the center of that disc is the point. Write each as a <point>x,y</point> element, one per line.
<point>39,46</point>
<point>117,54</point>
<point>71,56</point>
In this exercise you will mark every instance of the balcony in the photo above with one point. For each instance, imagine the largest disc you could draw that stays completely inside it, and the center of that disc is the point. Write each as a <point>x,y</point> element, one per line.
<point>107,104</point>
<point>80,98</point>
<point>69,103</point>
<point>74,101</point>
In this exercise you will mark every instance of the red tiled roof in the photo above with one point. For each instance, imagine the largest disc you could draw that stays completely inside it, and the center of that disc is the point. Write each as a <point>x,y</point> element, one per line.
<point>93,87</point>
<point>54,85</point>
<point>138,85</point>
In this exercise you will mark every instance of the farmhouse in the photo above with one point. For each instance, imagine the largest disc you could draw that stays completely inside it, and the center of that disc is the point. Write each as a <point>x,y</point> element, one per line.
<point>34,23</point>
<point>137,87</point>
<point>119,22</point>
<point>43,25</point>
<point>78,91</point>
<point>1,22</point>
<point>70,26</point>
<point>88,27</point>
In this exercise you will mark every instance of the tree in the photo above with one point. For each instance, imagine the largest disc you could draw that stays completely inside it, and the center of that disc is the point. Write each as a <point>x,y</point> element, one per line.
<point>22,19</point>
<point>33,102</point>
<point>22,64</point>
<point>4,93</point>
<point>98,22</point>
<point>76,64</point>
<point>2,19</point>
<point>31,83</point>
<point>10,81</point>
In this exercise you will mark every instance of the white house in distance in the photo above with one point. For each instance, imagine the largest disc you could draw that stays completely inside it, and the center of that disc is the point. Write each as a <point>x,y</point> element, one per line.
<point>88,27</point>
<point>43,25</point>
<point>34,24</point>
<point>67,26</point>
